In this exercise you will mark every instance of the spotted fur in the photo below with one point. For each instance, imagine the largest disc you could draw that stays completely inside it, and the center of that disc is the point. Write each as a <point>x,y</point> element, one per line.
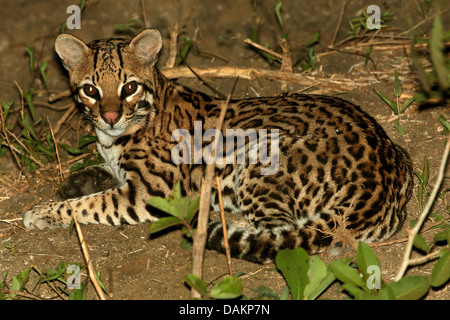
<point>334,159</point>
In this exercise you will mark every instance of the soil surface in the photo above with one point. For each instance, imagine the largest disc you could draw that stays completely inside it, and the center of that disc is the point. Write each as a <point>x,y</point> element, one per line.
<point>134,265</point>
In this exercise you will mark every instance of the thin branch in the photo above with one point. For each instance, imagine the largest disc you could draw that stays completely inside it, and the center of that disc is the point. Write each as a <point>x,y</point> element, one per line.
<point>87,257</point>
<point>286,61</point>
<point>170,63</point>
<point>22,294</point>
<point>338,26</point>
<point>413,232</point>
<point>144,14</point>
<point>262,48</point>
<point>224,227</point>
<point>199,238</point>
<point>56,150</point>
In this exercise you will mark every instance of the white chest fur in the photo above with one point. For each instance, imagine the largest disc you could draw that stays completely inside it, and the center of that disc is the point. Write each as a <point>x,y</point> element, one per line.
<point>111,155</point>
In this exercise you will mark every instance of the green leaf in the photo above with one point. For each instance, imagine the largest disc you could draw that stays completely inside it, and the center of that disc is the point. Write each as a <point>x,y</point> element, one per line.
<point>185,49</point>
<point>6,109</point>
<point>278,5</point>
<point>425,171</point>
<point>186,245</point>
<point>386,294</point>
<point>400,129</point>
<point>397,85</point>
<point>85,140</point>
<point>389,102</point>
<point>319,276</point>
<point>29,99</point>
<point>31,54</point>
<point>228,288</point>
<point>441,270</point>
<point>71,150</point>
<point>314,40</point>
<point>444,235</point>
<point>79,294</point>
<point>164,223</point>
<point>43,69</point>
<point>408,102</point>
<point>294,265</point>
<point>354,291</point>
<point>437,53</point>
<point>26,123</point>
<point>420,243</point>
<point>410,288</point>
<point>365,258</point>
<point>446,125</point>
<point>192,209</point>
<point>177,191</point>
<point>19,281</point>
<point>165,205</point>
<point>195,282</point>
<point>284,295</point>
<point>76,167</point>
<point>346,274</point>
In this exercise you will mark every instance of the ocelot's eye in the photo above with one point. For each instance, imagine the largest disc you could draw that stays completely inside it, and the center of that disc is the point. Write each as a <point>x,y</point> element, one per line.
<point>90,90</point>
<point>129,89</point>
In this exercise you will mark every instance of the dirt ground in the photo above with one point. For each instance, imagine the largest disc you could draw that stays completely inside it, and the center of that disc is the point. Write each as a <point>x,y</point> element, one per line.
<point>134,265</point>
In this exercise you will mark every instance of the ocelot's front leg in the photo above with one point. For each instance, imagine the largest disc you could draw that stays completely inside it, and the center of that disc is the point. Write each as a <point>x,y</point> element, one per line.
<point>126,204</point>
<point>88,181</point>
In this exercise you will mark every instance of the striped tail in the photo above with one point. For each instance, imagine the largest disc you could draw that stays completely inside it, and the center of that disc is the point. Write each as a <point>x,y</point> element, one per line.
<point>262,245</point>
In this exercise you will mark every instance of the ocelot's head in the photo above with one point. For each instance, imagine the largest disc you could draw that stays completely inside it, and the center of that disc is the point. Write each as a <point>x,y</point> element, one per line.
<point>111,78</point>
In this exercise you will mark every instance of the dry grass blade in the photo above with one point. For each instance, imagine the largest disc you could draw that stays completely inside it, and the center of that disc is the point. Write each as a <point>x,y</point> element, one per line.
<point>56,150</point>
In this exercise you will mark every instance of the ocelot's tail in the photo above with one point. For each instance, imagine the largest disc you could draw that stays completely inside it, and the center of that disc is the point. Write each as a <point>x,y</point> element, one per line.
<point>262,245</point>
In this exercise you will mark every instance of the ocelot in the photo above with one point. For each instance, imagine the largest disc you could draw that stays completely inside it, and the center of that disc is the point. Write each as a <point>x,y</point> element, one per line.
<point>329,158</point>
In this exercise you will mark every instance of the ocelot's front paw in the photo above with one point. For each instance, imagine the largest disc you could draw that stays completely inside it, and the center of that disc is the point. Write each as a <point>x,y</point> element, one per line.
<point>88,181</point>
<point>45,216</point>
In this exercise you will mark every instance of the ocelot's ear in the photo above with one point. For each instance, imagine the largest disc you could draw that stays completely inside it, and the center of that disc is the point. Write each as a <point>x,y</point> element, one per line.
<point>71,50</point>
<point>146,46</point>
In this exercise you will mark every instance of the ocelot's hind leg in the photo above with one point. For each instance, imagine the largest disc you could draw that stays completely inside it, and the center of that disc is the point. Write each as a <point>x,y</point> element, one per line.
<point>88,181</point>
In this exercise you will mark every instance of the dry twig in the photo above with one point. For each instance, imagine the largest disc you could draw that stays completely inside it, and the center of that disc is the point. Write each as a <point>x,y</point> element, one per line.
<point>224,228</point>
<point>170,63</point>
<point>198,246</point>
<point>414,231</point>
<point>286,62</point>
<point>87,257</point>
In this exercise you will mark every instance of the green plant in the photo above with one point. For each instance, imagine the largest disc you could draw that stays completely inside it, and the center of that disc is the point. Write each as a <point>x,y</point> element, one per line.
<point>395,105</point>
<point>57,280</point>
<point>185,48</point>
<point>82,148</point>
<point>436,84</point>
<point>422,194</point>
<point>365,282</point>
<point>132,26</point>
<point>307,277</point>
<point>182,211</point>
<point>227,288</point>
<point>359,24</point>
<point>30,149</point>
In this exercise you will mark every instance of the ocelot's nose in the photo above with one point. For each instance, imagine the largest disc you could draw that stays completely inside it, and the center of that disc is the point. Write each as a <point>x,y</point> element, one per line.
<point>111,117</point>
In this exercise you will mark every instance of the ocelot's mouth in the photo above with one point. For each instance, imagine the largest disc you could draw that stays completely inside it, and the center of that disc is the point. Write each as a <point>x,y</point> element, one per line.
<point>114,132</point>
